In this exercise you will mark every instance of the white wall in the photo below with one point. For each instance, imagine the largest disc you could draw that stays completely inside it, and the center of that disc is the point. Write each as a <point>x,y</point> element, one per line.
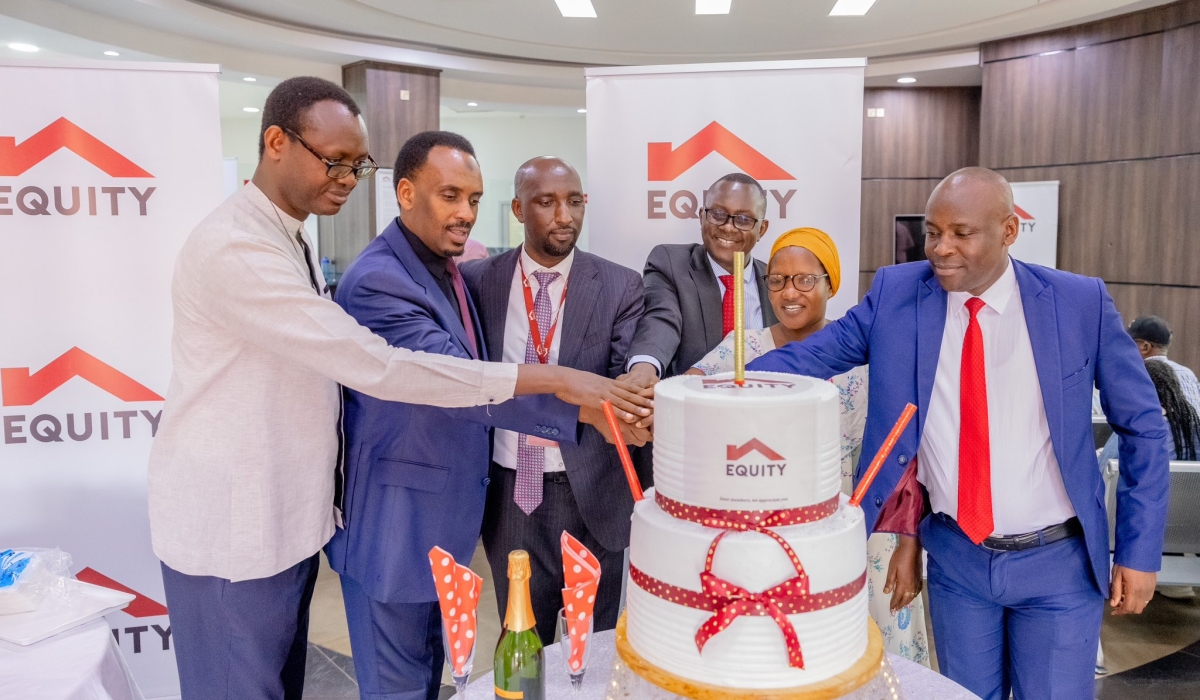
<point>239,139</point>
<point>502,143</point>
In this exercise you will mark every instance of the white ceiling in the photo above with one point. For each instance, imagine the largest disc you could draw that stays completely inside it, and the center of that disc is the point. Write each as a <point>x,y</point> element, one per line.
<point>523,52</point>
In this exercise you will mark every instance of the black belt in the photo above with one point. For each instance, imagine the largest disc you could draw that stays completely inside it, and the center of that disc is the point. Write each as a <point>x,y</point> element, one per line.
<point>1029,540</point>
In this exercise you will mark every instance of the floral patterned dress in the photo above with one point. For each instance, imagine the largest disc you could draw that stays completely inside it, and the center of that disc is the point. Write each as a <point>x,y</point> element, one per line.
<point>903,632</point>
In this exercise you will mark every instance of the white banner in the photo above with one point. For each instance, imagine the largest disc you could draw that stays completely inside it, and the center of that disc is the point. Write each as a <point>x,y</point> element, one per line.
<point>658,136</point>
<point>1036,204</point>
<point>104,169</point>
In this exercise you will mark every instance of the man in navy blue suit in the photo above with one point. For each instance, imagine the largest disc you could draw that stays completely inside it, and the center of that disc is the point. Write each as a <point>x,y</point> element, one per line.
<point>1000,358</point>
<point>416,476</point>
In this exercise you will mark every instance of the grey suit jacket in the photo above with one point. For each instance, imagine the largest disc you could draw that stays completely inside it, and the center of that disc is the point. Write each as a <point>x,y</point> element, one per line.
<point>682,320</point>
<point>604,303</point>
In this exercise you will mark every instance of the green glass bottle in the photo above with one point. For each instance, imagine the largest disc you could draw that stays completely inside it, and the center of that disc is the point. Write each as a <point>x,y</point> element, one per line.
<point>520,665</point>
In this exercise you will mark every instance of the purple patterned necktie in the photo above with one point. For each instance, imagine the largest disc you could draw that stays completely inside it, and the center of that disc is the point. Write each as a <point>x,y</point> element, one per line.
<point>531,459</point>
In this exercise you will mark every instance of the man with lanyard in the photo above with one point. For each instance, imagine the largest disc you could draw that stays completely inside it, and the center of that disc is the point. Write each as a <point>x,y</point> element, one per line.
<point>548,303</point>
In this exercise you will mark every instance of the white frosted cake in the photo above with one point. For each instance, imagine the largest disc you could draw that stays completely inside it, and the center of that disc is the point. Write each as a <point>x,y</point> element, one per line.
<point>746,545</point>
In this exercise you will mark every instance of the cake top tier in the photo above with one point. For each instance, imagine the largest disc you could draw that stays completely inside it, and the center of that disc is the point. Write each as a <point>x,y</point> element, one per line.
<point>774,443</point>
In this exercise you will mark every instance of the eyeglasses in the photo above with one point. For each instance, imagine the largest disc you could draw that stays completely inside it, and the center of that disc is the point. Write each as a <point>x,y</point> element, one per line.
<point>718,217</point>
<point>333,168</point>
<point>802,283</point>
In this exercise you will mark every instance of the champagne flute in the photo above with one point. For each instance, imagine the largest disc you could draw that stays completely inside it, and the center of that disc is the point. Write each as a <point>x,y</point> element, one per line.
<point>452,654</point>
<point>577,670</point>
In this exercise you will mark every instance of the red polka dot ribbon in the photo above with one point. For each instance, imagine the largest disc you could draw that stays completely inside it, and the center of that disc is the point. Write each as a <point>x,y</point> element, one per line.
<point>728,602</point>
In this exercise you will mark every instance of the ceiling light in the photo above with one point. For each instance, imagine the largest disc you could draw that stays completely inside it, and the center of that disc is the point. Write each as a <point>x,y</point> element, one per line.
<point>576,8</point>
<point>251,110</point>
<point>846,8</point>
<point>472,104</point>
<point>713,7</point>
<point>906,81</point>
<point>248,79</point>
<point>1049,53</point>
<point>27,48</point>
<point>111,53</point>
<point>581,111</point>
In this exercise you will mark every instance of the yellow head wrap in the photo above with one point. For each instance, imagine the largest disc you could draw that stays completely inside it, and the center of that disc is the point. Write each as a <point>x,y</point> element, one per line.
<point>817,242</point>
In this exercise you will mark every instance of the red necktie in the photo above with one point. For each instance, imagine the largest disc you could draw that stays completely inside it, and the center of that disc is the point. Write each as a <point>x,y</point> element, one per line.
<point>460,291</point>
<point>974,446</point>
<point>727,305</point>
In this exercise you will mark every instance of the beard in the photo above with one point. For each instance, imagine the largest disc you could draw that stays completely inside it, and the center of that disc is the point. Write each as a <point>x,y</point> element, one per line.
<point>554,249</point>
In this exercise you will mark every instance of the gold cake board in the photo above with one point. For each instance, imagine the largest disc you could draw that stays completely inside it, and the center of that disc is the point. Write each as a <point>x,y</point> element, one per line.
<point>858,675</point>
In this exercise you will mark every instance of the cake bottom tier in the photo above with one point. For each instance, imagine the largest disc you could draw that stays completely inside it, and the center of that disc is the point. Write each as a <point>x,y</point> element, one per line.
<point>751,652</point>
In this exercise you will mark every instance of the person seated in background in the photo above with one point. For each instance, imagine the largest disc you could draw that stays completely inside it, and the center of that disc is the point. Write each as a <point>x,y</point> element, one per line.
<point>1183,420</point>
<point>1153,338</point>
<point>803,273</point>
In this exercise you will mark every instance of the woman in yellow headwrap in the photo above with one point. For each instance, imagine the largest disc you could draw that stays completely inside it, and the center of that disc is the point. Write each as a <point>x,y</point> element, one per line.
<point>803,273</point>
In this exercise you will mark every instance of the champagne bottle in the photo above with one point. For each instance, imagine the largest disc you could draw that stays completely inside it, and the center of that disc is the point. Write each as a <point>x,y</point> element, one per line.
<point>520,665</point>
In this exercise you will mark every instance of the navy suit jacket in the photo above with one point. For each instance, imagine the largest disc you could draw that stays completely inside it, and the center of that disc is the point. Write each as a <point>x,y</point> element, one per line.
<point>1078,341</point>
<point>603,305</point>
<point>416,476</point>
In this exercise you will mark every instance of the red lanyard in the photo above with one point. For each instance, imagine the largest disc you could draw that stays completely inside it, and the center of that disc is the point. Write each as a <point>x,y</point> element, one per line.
<point>542,349</point>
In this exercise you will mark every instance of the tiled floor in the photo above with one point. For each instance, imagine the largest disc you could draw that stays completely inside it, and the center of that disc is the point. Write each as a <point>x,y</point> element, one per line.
<point>1152,656</point>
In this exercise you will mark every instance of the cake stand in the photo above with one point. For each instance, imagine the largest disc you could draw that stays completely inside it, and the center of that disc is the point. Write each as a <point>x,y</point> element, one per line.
<point>870,678</point>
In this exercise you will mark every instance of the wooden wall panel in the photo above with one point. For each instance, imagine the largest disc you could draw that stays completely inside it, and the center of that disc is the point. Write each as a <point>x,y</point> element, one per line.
<point>1123,27</point>
<point>1177,305</point>
<point>1074,107</point>
<point>391,120</point>
<point>1179,117</point>
<point>924,132</point>
<point>924,135</point>
<point>882,200</point>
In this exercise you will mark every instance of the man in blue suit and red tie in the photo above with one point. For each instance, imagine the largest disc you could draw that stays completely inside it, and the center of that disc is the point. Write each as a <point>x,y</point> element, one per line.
<point>416,476</point>
<point>1000,358</point>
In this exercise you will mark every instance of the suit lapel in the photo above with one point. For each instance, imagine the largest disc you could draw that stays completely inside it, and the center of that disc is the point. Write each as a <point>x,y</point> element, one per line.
<point>583,290</point>
<point>1041,319</point>
<point>764,299</point>
<point>931,324</point>
<point>494,289</point>
<point>709,291</point>
<point>438,303</point>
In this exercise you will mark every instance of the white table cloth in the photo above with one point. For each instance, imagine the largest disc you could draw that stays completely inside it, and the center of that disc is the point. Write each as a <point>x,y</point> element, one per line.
<point>916,681</point>
<point>84,663</point>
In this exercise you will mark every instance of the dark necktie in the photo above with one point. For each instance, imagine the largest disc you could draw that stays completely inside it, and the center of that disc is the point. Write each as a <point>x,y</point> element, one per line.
<point>974,444</point>
<point>460,291</point>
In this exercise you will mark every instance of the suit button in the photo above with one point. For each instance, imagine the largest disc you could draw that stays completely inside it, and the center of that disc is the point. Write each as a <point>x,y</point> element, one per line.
<point>486,480</point>
<point>554,431</point>
<point>902,459</point>
<point>878,502</point>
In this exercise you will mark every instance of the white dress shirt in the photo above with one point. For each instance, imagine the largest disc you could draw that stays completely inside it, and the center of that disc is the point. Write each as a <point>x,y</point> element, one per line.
<point>241,474</point>
<point>753,306</point>
<point>516,335</point>
<point>1027,488</point>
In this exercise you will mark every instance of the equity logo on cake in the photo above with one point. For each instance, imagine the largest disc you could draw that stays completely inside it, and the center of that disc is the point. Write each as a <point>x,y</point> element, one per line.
<point>751,383</point>
<point>753,459</point>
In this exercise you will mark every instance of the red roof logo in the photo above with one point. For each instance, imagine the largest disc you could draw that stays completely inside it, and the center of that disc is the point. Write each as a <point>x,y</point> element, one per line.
<point>21,388</point>
<point>16,159</point>
<point>734,452</point>
<point>142,606</point>
<point>750,383</point>
<point>1022,214</point>
<point>664,163</point>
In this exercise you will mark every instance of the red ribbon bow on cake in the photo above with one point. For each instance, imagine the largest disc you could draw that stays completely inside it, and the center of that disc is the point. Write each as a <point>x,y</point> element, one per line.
<point>581,573</point>
<point>732,601</point>
<point>458,591</point>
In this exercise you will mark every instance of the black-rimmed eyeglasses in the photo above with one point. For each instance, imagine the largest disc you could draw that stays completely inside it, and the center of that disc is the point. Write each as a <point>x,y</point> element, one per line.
<point>718,217</point>
<point>802,283</point>
<point>333,168</point>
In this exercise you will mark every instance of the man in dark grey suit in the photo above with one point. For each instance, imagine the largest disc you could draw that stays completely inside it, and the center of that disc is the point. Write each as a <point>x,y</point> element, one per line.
<point>547,302</point>
<point>689,287</point>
